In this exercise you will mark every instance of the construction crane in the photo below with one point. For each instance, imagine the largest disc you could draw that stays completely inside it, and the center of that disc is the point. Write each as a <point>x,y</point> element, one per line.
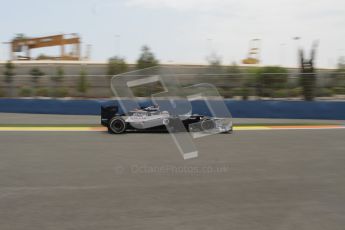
<point>24,44</point>
<point>253,53</point>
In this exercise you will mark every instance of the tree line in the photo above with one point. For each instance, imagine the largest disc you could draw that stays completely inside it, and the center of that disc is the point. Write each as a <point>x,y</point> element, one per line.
<point>269,81</point>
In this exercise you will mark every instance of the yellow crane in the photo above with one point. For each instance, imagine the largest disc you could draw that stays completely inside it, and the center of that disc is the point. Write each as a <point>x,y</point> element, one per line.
<point>253,53</point>
<point>23,43</point>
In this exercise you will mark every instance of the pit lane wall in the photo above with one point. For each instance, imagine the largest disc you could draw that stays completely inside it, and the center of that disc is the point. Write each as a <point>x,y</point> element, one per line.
<point>331,110</point>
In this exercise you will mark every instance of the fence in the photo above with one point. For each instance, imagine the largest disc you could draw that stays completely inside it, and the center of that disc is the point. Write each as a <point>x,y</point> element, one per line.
<point>251,86</point>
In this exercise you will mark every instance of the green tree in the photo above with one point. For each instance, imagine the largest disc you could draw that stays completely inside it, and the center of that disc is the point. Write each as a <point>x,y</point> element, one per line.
<point>116,65</point>
<point>83,84</point>
<point>57,79</point>
<point>147,58</point>
<point>341,63</point>
<point>235,77</point>
<point>214,63</point>
<point>9,73</point>
<point>59,75</point>
<point>214,60</point>
<point>307,73</point>
<point>233,69</point>
<point>240,84</point>
<point>269,79</point>
<point>20,36</point>
<point>36,74</point>
<point>338,77</point>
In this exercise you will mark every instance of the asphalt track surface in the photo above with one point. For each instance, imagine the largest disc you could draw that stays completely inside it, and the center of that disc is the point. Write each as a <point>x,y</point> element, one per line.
<point>14,118</point>
<point>277,179</point>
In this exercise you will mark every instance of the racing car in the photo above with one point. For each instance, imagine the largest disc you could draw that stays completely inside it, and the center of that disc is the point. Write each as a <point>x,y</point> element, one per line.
<point>150,118</point>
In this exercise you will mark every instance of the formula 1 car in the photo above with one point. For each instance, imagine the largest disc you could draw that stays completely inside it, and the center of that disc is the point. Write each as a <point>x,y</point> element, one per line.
<point>152,119</point>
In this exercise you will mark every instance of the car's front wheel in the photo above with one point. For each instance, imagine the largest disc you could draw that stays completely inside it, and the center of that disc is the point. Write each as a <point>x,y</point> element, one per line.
<point>117,125</point>
<point>208,125</point>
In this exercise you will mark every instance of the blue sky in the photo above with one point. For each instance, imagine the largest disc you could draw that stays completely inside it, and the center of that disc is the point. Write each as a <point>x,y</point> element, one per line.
<point>184,31</point>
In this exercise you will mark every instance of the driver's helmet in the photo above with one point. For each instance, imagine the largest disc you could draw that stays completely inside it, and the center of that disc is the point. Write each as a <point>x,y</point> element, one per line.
<point>152,108</point>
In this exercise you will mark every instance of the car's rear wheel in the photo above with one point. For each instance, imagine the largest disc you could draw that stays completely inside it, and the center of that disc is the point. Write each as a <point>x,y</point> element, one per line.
<point>117,125</point>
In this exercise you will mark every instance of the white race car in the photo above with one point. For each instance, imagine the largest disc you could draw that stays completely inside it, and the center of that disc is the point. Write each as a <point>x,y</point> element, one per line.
<point>152,119</point>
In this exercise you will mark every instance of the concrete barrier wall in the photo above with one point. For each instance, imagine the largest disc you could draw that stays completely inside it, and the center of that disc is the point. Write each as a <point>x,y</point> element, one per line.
<point>238,109</point>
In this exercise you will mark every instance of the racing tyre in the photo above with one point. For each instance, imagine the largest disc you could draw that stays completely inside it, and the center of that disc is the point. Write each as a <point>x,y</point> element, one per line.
<point>208,125</point>
<point>117,125</point>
